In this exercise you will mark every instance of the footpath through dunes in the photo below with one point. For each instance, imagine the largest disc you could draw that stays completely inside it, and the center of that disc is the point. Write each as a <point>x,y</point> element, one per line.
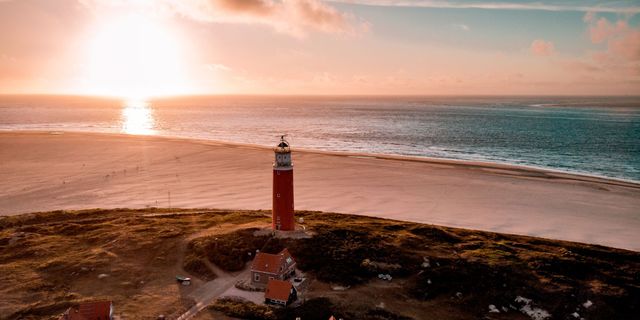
<point>41,171</point>
<point>53,260</point>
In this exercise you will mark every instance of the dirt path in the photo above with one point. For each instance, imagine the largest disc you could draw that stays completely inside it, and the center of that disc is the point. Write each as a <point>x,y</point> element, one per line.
<point>211,290</point>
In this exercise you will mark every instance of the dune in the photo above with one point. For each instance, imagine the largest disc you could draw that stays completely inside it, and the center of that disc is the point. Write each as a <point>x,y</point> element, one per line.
<point>41,171</point>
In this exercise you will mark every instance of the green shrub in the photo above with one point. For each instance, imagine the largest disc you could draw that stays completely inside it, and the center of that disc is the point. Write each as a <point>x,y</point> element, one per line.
<point>230,251</point>
<point>337,255</point>
<point>313,309</point>
<point>197,267</point>
<point>243,310</point>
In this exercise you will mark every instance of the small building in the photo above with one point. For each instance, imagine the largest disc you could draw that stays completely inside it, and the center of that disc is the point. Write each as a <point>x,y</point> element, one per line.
<point>97,310</point>
<point>280,292</point>
<point>268,266</point>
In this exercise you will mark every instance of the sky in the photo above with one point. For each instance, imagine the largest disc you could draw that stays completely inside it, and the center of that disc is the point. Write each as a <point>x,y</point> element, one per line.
<point>145,48</point>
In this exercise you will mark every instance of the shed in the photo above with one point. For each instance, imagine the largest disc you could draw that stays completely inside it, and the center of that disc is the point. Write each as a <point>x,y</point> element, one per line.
<point>280,292</point>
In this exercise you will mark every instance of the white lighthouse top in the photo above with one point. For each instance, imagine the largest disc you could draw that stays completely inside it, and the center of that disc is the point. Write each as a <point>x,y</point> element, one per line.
<point>283,155</point>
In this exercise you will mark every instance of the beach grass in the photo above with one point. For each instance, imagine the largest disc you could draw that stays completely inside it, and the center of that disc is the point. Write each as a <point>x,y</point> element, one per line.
<point>51,260</point>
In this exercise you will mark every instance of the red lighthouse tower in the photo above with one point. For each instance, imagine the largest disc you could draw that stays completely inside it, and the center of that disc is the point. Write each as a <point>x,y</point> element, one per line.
<point>283,188</point>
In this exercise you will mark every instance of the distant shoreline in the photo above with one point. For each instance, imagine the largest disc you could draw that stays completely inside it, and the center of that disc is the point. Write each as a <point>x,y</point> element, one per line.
<point>107,97</point>
<point>516,169</point>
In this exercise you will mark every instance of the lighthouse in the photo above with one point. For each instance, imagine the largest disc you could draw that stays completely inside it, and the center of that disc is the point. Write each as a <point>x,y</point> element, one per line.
<point>283,188</point>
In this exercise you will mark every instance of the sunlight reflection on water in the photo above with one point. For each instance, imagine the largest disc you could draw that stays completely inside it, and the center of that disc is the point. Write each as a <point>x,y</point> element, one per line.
<point>137,117</point>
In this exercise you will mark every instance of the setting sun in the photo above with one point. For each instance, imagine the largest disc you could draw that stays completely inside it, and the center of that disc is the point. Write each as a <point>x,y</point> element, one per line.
<point>134,56</point>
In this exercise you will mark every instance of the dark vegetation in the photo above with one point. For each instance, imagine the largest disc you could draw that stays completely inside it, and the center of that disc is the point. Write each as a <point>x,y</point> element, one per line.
<point>49,261</point>
<point>230,251</point>
<point>336,255</point>
<point>313,309</point>
<point>470,268</point>
<point>195,264</point>
<point>243,310</point>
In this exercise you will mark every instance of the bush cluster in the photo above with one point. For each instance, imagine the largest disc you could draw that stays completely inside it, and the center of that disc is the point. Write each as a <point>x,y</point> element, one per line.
<point>243,310</point>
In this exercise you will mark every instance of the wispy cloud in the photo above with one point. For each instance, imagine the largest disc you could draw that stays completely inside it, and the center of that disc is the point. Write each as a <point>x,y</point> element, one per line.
<point>542,48</point>
<point>581,6</point>
<point>617,58</point>
<point>296,17</point>
<point>461,26</point>
<point>217,67</point>
<point>621,39</point>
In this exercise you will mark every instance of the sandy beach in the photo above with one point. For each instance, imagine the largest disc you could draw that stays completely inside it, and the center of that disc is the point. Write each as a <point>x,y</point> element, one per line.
<point>47,171</point>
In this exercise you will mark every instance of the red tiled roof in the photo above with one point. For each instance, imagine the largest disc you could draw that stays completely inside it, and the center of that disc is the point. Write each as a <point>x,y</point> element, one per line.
<point>98,310</point>
<point>278,290</point>
<point>271,263</point>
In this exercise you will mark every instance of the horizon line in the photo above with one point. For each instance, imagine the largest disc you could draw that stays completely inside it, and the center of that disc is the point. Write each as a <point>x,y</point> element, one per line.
<point>313,95</point>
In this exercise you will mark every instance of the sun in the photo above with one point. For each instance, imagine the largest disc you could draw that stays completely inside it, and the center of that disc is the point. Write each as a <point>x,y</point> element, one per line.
<point>135,57</point>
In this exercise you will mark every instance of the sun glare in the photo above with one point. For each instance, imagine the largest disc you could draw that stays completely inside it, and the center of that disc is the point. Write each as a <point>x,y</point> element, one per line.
<point>134,57</point>
<point>137,118</point>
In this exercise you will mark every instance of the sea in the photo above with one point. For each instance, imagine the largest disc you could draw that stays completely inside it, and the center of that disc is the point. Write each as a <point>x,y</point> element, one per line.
<point>598,136</point>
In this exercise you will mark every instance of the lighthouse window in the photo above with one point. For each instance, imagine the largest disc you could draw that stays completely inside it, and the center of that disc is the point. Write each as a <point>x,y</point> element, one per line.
<point>278,195</point>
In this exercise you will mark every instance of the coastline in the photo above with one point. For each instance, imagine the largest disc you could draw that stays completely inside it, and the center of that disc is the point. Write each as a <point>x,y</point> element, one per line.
<point>47,171</point>
<point>517,169</point>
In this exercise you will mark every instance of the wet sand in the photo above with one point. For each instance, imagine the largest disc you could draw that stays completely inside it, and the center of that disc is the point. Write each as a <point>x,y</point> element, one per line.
<point>42,171</point>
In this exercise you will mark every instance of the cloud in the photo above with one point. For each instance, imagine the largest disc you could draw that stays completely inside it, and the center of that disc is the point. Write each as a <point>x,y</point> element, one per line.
<point>294,17</point>
<point>622,41</point>
<point>542,48</point>
<point>319,15</point>
<point>583,6</point>
<point>253,7</point>
<point>217,67</point>
<point>461,26</point>
<point>589,16</point>
<point>626,46</point>
<point>616,59</point>
<point>603,29</point>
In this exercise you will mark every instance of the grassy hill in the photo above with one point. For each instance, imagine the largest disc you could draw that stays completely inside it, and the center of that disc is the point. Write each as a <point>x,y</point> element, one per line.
<point>51,260</point>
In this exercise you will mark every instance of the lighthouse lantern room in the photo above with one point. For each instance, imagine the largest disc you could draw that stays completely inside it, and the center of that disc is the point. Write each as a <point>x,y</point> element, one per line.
<point>283,188</point>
